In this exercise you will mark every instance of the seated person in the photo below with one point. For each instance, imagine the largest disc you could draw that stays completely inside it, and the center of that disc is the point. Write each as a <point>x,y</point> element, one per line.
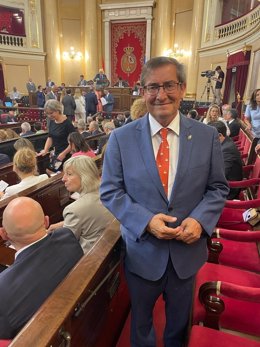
<point>26,129</point>
<point>42,261</point>
<point>232,122</point>
<point>11,118</point>
<point>138,109</point>
<point>108,127</point>
<point>232,159</point>
<point>82,82</point>
<point>87,218</point>
<point>23,142</point>
<point>38,128</point>
<point>79,146</point>
<point>3,135</point>
<point>25,166</point>
<point>4,159</point>
<point>137,88</point>
<point>11,134</point>
<point>81,126</point>
<point>15,95</point>
<point>193,114</point>
<point>121,83</point>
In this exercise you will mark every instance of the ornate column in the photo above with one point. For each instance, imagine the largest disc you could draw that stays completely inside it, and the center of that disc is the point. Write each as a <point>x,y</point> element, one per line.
<point>52,42</point>
<point>163,27</point>
<point>196,29</point>
<point>91,39</point>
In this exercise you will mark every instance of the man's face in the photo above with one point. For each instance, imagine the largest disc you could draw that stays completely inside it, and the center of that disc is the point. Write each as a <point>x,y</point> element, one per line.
<point>163,106</point>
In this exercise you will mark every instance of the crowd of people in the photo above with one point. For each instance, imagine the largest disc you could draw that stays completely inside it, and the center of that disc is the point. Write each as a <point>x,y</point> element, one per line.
<point>166,195</point>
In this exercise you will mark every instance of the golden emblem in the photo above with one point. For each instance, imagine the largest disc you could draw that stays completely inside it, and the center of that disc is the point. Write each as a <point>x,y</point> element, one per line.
<point>128,61</point>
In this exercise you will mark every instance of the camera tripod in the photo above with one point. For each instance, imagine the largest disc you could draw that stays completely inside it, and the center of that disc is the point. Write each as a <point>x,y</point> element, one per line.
<point>207,89</point>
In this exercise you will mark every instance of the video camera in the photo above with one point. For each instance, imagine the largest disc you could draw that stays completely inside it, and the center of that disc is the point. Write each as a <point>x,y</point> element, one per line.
<point>208,73</point>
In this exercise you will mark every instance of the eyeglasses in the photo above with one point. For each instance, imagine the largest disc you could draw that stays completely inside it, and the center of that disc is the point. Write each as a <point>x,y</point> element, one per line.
<point>168,87</point>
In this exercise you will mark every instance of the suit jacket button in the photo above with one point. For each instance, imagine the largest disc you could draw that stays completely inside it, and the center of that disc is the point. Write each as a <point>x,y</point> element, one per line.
<point>170,209</point>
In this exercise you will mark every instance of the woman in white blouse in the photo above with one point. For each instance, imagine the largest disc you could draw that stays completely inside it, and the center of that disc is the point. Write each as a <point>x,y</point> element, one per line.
<point>25,166</point>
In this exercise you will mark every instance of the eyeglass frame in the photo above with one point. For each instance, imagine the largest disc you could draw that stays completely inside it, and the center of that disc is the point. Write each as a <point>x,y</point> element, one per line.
<point>164,86</point>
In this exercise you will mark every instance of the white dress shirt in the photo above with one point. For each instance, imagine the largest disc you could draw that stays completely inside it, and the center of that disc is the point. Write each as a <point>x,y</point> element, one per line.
<point>173,139</point>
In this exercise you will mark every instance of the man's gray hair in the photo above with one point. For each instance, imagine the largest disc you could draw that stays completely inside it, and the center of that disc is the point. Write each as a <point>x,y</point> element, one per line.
<point>26,126</point>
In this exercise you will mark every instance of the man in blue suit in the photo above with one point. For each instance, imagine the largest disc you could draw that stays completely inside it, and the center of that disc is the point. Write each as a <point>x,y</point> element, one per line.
<point>42,261</point>
<point>164,233</point>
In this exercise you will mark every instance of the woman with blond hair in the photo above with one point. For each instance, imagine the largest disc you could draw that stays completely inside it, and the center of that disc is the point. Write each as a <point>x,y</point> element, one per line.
<point>86,217</point>
<point>25,166</point>
<point>214,115</point>
<point>138,109</point>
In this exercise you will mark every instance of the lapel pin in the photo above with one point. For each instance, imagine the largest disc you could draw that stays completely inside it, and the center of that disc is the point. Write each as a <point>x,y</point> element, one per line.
<point>189,137</point>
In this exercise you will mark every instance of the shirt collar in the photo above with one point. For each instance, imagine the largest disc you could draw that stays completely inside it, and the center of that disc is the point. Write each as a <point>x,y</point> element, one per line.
<point>24,248</point>
<point>156,126</point>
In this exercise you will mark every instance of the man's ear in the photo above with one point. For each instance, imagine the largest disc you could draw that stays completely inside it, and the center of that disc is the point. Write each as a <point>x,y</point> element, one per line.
<point>3,234</point>
<point>46,221</point>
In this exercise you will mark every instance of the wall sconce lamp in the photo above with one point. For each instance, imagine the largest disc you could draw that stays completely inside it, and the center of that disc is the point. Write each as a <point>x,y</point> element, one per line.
<point>246,48</point>
<point>72,55</point>
<point>177,52</point>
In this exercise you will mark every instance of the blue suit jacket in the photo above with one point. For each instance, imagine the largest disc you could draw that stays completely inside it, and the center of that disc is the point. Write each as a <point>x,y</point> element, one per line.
<point>36,272</point>
<point>131,189</point>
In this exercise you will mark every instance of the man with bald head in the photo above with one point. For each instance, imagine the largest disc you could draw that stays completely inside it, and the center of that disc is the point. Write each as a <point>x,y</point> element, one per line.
<point>41,262</point>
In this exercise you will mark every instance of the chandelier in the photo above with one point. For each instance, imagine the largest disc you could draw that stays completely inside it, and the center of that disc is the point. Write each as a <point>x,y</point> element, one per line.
<point>72,55</point>
<point>177,52</point>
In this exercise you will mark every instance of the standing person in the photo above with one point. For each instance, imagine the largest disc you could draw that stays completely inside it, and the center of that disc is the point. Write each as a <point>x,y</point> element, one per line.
<point>42,261</point>
<point>69,104</point>
<point>91,102</point>
<point>108,107</point>
<point>40,97</point>
<point>30,86</point>
<point>252,114</point>
<point>218,86</point>
<point>166,213</point>
<point>59,129</point>
<point>50,83</point>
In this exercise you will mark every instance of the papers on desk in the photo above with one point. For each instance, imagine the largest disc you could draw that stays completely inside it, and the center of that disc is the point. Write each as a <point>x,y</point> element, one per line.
<point>3,185</point>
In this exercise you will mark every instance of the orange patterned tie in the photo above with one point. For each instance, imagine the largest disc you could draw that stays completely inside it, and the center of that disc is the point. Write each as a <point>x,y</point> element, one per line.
<point>162,159</point>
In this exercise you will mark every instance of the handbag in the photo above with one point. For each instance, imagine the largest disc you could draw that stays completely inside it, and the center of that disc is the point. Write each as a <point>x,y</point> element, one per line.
<point>252,216</point>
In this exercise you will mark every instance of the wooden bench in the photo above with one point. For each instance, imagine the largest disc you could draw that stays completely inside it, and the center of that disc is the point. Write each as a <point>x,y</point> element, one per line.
<point>89,307</point>
<point>38,140</point>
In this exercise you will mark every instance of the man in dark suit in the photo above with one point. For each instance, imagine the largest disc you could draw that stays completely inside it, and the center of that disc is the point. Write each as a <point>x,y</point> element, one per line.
<point>91,102</point>
<point>108,127</point>
<point>4,159</point>
<point>69,104</point>
<point>93,130</point>
<point>121,83</point>
<point>42,261</point>
<point>232,159</point>
<point>108,107</point>
<point>30,86</point>
<point>232,122</point>
<point>168,210</point>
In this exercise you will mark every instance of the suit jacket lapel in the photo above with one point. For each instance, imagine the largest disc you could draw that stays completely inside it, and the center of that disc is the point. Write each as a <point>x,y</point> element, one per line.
<point>144,141</point>
<point>184,153</point>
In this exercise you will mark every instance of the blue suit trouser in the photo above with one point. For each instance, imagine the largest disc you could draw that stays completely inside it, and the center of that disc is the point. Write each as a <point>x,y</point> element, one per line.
<point>177,294</point>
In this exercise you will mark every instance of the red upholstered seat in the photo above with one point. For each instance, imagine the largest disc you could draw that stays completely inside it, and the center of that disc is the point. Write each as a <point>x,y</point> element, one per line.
<point>239,249</point>
<point>205,337</point>
<point>5,343</point>
<point>232,218</point>
<point>249,321</point>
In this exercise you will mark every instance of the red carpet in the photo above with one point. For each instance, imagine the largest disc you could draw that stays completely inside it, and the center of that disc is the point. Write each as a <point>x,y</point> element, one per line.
<point>159,319</point>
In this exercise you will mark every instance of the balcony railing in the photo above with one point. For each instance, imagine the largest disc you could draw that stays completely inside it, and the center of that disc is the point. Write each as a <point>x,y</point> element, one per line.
<point>238,27</point>
<point>11,41</point>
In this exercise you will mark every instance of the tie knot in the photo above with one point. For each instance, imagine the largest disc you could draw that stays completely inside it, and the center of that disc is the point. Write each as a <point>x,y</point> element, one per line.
<point>163,133</point>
